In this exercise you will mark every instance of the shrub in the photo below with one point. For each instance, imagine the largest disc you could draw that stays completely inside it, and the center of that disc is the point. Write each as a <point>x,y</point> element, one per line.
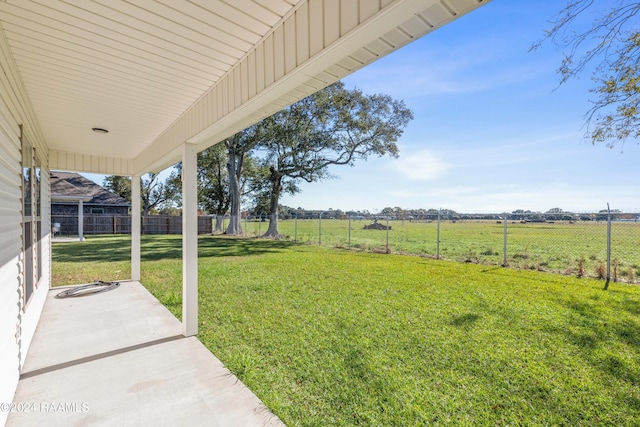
<point>615,263</point>
<point>580,270</point>
<point>489,252</point>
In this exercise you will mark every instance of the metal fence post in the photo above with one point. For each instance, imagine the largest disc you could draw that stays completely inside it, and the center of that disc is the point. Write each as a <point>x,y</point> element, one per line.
<point>387,234</point>
<point>295,228</point>
<point>504,248</point>
<point>320,229</point>
<point>349,232</point>
<point>438,237</point>
<point>606,283</point>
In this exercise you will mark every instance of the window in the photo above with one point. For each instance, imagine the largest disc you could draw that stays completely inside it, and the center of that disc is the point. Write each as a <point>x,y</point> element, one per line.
<point>97,210</point>
<point>31,219</point>
<point>38,217</point>
<point>28,189</point>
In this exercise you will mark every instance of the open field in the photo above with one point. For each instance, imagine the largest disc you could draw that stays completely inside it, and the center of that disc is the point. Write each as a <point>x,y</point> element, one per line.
<point>334,337</point>
<point>566,247</point>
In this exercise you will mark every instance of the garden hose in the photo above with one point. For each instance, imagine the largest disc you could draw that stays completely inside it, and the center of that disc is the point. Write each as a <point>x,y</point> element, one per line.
<point>91,289</point>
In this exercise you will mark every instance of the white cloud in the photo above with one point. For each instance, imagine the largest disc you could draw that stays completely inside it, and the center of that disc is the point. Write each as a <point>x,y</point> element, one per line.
<point>420,165</point>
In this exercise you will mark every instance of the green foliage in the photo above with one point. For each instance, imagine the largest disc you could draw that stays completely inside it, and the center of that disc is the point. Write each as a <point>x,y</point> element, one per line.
<point>213,180</point>
<point>619,95</point>
<point>242,170</point>
<point>330,337</point>
<point>334,126</point>
<point>610,44</point>
<point>154,195</point>
<point>120,185</point>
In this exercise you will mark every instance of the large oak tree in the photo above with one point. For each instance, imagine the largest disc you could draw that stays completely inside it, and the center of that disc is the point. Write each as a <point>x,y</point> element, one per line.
<point>240,167</point>
<point>213,183</point>
<point>334,126</point>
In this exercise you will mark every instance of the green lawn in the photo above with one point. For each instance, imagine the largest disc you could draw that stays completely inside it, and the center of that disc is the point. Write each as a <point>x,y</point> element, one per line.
<point>333,337</point>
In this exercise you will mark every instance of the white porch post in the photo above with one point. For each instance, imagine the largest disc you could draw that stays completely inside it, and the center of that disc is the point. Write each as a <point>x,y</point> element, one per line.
<point>80,220</point>
<point>189,240</point>
<point>135,227</point>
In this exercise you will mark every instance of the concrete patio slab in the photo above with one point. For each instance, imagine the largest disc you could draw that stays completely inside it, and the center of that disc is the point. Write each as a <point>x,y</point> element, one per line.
<point>118,358</point>
<point>64,239</point>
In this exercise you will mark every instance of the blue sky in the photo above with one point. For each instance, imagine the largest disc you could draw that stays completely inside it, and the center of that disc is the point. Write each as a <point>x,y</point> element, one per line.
<point>492,131</point>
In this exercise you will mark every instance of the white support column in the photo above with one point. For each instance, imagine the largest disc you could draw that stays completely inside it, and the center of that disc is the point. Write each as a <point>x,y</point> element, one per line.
<point>189,240</point>
<point>135,227</point>
<point>80,220</point>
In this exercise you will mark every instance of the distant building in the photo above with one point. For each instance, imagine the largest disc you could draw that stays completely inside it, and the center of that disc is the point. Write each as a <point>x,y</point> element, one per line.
<point>71,190</point>
<point>73,195</point>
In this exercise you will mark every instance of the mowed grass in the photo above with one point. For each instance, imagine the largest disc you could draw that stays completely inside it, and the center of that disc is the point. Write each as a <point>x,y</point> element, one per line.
<point>333,337</point>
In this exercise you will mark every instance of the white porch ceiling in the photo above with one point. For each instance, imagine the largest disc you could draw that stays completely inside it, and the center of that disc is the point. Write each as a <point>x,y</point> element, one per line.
<point>157,73</point>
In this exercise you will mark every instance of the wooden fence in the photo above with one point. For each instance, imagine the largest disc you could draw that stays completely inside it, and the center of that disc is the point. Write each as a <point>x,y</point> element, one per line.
<point>116,224</point>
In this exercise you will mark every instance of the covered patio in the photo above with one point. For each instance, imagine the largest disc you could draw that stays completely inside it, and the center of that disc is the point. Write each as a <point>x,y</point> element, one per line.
<point>131,87</point>
<point>119,358</point>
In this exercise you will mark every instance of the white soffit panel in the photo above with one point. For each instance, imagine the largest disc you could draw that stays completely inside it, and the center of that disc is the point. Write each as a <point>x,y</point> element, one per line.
<point>374,37</point>
<point>132,67</point>
<point>157,73</point>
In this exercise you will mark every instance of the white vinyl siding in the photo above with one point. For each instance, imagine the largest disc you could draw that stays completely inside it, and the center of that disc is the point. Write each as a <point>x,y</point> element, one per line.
<point>10,258</point>
<point>17,320</point>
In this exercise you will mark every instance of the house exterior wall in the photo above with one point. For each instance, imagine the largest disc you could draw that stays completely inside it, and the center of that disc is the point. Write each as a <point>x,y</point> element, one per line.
<point>87,209</point>
<point>10,258</point>
<point>18,318</point>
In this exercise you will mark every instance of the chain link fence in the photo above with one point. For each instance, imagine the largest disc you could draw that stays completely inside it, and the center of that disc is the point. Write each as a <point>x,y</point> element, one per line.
<point>602,244</point>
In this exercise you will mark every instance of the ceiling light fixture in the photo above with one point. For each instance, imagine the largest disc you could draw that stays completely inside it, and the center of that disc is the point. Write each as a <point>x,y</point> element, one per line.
<point>100,130</point>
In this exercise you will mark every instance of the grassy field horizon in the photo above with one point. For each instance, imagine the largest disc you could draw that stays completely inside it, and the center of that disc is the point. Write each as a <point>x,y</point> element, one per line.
<point>565,247</point>
<point>326,336</point>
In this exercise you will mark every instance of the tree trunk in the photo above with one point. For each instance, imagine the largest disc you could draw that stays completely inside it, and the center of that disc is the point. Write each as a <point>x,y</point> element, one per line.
<point>219,222</point>
<point>272,231</point>
<point>276,180</point>
<point>234,228</point>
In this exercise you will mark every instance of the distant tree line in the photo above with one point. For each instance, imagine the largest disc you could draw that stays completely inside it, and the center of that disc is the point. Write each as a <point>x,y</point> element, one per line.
<point>400,214</point>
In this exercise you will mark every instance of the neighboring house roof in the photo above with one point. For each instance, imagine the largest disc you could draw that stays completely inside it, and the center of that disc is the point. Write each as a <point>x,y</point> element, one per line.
<point>68,186</point>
